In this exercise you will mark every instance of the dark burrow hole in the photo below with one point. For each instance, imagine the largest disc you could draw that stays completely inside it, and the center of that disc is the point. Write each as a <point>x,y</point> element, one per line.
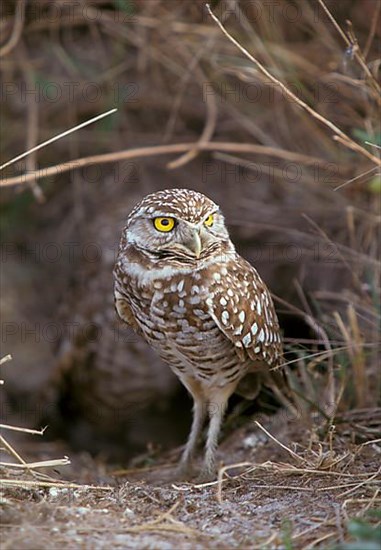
<point>157,428</point>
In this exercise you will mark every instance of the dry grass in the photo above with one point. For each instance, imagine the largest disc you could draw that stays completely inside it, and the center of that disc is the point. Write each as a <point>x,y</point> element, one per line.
<point>26,475</point>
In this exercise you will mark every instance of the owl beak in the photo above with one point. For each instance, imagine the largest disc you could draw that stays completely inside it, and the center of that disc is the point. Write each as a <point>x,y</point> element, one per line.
<point>194,245</point>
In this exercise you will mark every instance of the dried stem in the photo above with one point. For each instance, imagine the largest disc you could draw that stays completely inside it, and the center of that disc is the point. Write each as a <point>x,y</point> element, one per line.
<point>55,138</point>
<point>161,150</point>
<point>18,26</point>
<point>340,135</point>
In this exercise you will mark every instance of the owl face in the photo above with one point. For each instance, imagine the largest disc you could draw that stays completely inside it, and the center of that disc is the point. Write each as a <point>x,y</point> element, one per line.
<point>176,223</point>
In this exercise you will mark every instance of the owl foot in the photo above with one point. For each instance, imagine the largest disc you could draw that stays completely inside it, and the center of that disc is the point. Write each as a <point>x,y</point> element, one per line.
<point>206,475</point>
<point>185,471</point>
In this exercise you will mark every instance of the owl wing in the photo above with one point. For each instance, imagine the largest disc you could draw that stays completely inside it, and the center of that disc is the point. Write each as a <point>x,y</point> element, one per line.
<point>122,305</point>
<point>243,310</point>
<point>125,313</point>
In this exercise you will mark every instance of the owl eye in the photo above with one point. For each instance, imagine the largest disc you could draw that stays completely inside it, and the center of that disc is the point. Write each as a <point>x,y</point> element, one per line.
<point>209,220</point>
<point>164,224</point>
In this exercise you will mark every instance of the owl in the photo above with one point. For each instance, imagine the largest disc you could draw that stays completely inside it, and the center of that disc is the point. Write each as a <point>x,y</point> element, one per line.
<point>181,285</point>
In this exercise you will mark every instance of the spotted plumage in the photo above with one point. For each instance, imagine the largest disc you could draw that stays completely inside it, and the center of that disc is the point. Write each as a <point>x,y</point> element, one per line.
<point>180,284</point>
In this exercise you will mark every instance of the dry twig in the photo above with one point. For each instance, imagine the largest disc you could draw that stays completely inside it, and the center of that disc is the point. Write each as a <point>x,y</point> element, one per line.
<point>339,135</point>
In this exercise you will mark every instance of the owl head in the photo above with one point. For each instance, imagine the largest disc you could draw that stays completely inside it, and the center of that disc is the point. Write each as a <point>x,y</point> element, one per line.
<point>176,223</point>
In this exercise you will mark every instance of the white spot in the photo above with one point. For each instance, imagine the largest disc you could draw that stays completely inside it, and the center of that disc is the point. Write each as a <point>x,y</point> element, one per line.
<point>252,306</point>
<point>225,317</point>
<point>230,292</point>
<point>254,328</point>
<point>238,344</point>
<point>223,301</point>
<point>180,286</point>
<point>224,271</point>
<point>179,309</point>
<point>118,295</point>
<point>246,340</point>
<point>242,316</point>
<point>238,330</point>
<point>257,349</point>
<point>181,303</point>
<point>267,315</point>
<point>259,307</point>
<point>157,284</point>
<point>195,289</point>
<point>217,277</point>
<point>199,313</point>
<point>261,335</point>
<point>194,300</point>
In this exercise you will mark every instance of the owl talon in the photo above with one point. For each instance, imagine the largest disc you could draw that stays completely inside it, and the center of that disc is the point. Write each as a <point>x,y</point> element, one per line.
<point>207,474</point>
<point>185,472</point>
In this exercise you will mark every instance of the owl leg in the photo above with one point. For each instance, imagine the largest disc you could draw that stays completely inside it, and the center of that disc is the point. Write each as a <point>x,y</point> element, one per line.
<point>199,413</point>
<point>216,408</point>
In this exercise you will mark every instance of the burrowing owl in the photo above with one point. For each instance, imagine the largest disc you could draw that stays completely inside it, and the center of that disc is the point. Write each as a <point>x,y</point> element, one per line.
<point>180,284</point>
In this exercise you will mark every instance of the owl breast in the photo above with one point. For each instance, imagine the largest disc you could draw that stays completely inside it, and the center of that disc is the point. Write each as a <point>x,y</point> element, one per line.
<point>173,315</point>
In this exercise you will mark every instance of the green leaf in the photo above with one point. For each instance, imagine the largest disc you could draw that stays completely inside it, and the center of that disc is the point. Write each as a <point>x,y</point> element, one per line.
<point>374,185</point>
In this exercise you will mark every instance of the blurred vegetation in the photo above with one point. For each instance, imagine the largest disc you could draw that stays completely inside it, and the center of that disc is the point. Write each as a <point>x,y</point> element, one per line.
<point>363,533</point>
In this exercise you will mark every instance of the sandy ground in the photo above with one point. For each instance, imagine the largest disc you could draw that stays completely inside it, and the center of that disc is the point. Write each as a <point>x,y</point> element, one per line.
<point>277,500</point>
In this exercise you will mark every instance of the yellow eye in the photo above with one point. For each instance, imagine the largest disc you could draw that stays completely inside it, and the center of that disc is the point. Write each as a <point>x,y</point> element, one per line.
<point>164,224</point>
<point>209,220</point>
